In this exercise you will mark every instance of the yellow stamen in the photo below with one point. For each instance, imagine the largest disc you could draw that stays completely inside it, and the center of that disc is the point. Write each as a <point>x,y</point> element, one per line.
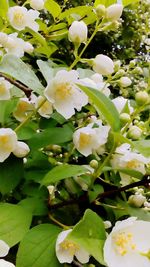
<point>63,90</point>
<point>70,246</point>
<point>124,243</point>
<point>84,139</point>
<point>132,164</point>
<point>19,18</point>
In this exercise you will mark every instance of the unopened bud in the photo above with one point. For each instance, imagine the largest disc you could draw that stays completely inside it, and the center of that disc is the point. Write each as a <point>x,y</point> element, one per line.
<point>134,132</point>
<point>114,12</point>
<point>94,164</point>
<point>125,81</point>
<point>137,200</point>
<point>21,150</point>
<point>141,97</point>
<point>100,11</point>
<point>125,117</point>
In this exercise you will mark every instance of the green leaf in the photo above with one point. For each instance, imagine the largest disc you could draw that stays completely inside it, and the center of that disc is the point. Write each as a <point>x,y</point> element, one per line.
<point>96,190</point>
<point>104,106</point>
<point>104,2</point>
<point>14,223</point>
<point>46,70</point>
<point>36,205</point>
<point>6,108</point>
<point>17,69</point>
<point>37,249</point>
<point>129,2</point>
<point>10,179</point>
<point>143,146</point>
<point>4,8</point>
<point>132,173</point>
<point>53,8</point>
<point>50,136</point>
<point>61,172</point>
<point>90,234</point>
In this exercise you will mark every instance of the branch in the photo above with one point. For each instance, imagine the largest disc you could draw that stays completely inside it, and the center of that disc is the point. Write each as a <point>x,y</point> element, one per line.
<point>21,86</point>
<point>84,199</point>
<point>145,182</point>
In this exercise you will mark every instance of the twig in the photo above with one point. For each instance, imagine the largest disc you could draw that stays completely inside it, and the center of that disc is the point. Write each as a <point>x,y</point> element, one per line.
<point>21,86</point>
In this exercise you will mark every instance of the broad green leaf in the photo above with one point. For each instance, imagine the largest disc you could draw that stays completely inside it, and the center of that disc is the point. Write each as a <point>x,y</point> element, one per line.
<point>80,12</point>
<point>37,206</point>
<point>20,71</point>
<point>49,136</point>
<point>129,2</point>
<point>104,106</point>
<point>14,223</point>
<point>53,8</point>
<point>90,234</point>
<point>10,179</point>
<point>63,171</point>
<point>132,173</point>
<point>3,8</point>
<point>143,146</point>
<point>104,2</point>
<point>126,209</point>
<point>46,70</point>
<point>6,108</point>
<point>37,249</point>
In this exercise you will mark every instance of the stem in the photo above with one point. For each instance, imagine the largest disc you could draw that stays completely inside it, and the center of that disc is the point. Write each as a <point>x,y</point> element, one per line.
<point>21,86</point>
<point>65,227</point>
<point>77,59</point>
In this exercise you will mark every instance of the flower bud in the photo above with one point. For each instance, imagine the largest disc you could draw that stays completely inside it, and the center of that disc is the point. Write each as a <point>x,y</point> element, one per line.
<point>125,81</point>
<point>125,117</point>
<point>103,65</point>
<point>100,11</point>
<point>107,224</point>
<point>134,132</point>
<point>141,97</point>
<point>28,47</point>
<point>3,38</point>
<point>21,150</point>
<point>78,32</point>
<point>37,4</point>
<point>137,200</point>
<point>114,12</point>
<point>94,164</point>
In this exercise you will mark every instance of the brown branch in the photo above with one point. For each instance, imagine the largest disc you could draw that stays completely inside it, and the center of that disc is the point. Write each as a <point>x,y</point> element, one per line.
<point>21,86</point>
<point>76,263</point>
<point>145,182</point>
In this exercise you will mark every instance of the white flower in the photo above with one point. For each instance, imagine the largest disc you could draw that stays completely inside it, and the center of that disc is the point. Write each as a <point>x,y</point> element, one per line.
<point>21,149</point>
<point>19,18</point>
<point>66,250</point>
<point>46,109</point>
<point>78,32</point>
<point>64,94</point>
<point>120,102</point>
<point>101,85</point>
<point>17,46</point>
<point>3,38</point>
<point>8,142</point>
<point>89,139</point>
<point>128,244</point>
<point>37,4</point>
<point>114,12</point>
<point>125,81</point>
<point>23,109</point>
<point>4,263</point>
<point>5,87</point>
<point>125,158</point>
<point>4,248</point>
<point>103,65</point>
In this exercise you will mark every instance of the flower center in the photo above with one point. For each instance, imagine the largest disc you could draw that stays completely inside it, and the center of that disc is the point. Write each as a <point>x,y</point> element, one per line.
<point>63,90</point>
<point>2,89</point>
<point>123,243</point>
<point>84,140</point>
<point>5,143</point>
<point>19,18</point>
<point>70,246</point>
<point>133,164</point>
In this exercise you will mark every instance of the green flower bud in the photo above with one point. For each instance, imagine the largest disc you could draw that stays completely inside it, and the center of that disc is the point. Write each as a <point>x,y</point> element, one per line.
<point>141,97</point>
